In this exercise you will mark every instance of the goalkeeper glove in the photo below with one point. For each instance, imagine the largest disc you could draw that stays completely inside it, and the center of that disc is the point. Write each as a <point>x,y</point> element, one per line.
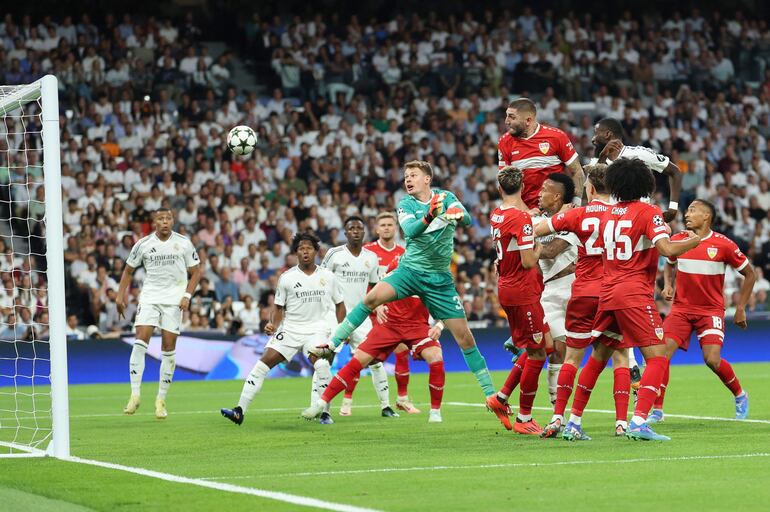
<point>454,214</point>
<point>436,207</point>
<point>324,350</point>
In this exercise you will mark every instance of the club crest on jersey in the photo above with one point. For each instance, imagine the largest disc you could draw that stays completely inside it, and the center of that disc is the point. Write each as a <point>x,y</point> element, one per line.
<point>322,281</point>
<point>712,252</point>
<point>537,337</point>
<point>659,332</point>
<point>544,147</point>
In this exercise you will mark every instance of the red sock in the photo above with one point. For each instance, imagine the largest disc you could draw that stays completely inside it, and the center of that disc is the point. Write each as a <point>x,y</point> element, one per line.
<point>663,386</point>
<point>436,383</point>
<point>514,376</point>
<point>649,386</point>
<point>620,391</point>
<point>348,373</point>
<point>529,378</point>
<point>727,375</point>
<point>564,385</point>
<point>402,372</point>
<point>351,385</point>
<point>586,383</point>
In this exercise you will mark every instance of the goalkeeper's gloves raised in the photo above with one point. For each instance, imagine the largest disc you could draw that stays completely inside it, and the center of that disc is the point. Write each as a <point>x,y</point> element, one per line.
<point>435,208</point>
<point>454,214</point>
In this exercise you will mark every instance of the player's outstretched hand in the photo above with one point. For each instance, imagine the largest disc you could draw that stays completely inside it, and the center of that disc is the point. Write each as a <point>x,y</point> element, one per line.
<point>670,215</point>
<point>436,207</point>
<point>382,313</point>
<point>668,293</point>
<point>692,235</point>
<point>611,151</point>
<point>739,318</point>
<point>454,214</point>
<point>269,328</point>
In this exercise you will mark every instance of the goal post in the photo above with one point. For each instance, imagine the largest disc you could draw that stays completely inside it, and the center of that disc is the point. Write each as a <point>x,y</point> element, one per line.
<point>34,404</point>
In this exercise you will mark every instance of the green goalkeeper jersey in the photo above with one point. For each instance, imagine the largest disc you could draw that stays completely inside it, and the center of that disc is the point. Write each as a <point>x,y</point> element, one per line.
<point>428,247</point>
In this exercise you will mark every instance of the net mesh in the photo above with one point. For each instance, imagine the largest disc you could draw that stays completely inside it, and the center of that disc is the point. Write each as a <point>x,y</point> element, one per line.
<point>25,390</point>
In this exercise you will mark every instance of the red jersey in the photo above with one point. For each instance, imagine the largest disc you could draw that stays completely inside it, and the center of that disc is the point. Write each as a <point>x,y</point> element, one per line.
<point>384,256</point>
<point>700,276</point>
<point>546,151</point>
<point>512,232</point>
<point>630,230</point>
<point>584,223</point>
<point>407,312</point>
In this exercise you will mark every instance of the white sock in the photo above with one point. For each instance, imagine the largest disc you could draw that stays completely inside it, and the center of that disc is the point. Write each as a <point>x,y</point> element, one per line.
<point>380,382</point>
<point>404,398</point>
<point>631,358</point>
<point>638,420</point>
<point>523,417</point>
<point>741,394</point>
<point>557,417</point>
<point>322,378</point>
<point>167,366</point>
<point>314,389</point>
<point>136,366</point>
<point>252,385</point>
<point>553,378</point>
<point>575,419</point>
<point>621,423</point>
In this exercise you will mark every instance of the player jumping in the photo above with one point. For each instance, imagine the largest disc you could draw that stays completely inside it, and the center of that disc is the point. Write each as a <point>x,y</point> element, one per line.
<point>406,324</point>
<point>167,258</point>
<point>699,301</point>
<point>303,297</point>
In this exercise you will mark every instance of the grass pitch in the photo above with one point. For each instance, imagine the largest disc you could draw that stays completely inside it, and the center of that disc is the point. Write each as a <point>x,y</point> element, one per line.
<point>469,462</point>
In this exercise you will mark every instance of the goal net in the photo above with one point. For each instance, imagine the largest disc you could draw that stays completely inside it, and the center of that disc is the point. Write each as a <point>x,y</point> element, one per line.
<point>34,418</point>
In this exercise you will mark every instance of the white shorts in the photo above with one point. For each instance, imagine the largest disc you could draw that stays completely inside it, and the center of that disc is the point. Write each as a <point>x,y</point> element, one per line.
<point>163,316</point>
<point>288,343</point>
<point>556,295</point>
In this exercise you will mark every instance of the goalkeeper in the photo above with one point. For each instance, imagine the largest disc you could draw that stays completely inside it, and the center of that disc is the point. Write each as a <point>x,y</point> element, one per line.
<point>428,219</point>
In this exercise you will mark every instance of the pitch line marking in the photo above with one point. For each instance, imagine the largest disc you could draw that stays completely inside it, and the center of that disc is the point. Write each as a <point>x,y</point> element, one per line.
<point>501,465</point>
<point>219,486</point>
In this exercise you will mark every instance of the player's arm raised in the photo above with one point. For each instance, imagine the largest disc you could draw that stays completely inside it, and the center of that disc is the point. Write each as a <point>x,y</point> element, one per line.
<point>578,178</point>
<point>553,248</point>
<point>125,282</point>
<point>673,249</point>
<point>749,278</point>
<point>675,183</point>
<point>456,211</point>
<point>668,281</point>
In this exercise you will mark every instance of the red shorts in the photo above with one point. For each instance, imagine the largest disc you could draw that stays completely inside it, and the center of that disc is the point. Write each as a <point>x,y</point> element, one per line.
<point>527,325</point>
<point>384,338</point>
<point>581,312</point>
<point>638,326</point>
<point>709,328</point>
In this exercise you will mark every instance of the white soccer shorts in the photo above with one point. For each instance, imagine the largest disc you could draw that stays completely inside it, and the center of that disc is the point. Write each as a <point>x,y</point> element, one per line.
<point>360,334</point>
<point>556,295</point>
<point>288,343</point>
<point>163,316</point>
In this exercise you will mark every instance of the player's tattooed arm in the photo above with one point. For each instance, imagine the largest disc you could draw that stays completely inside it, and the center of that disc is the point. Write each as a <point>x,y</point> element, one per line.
<point>749,278</point>
<point>579,179</point>
<point>675,183</point>
<point>276,317</point>
<point>553,249</point>
<point>671,249</point>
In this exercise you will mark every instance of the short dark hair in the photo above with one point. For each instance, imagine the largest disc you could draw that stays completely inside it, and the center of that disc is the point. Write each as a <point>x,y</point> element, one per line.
<point>353,218</point>
<point>629,179</point>
<point>420,164</point>
<point>567,184</point>
<point>524,105</point>
<point>613,126</point>
<point>310,237</point>
<point>162,209</point>
<point>510,179</point>
<point>595,174</point>
<point>710,206</point>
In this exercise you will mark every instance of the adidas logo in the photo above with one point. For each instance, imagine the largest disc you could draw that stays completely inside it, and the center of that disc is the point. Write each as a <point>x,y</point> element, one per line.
<point>153,250</point>
<point>298,285</point>
<point>346,265</point>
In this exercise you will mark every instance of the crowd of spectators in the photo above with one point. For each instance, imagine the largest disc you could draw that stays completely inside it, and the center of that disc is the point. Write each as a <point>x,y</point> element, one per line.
<point>145,109</point>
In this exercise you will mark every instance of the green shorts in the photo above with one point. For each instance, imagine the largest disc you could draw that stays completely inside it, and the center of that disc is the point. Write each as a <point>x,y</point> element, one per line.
<point>435,289</point>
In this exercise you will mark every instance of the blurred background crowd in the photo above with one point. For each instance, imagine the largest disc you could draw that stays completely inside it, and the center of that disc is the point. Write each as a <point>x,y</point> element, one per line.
<point>339,103</point>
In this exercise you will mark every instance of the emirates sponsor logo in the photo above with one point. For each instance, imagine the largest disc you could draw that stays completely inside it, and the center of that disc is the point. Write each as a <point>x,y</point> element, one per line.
<point>544,147</point>
<point>712,252</point>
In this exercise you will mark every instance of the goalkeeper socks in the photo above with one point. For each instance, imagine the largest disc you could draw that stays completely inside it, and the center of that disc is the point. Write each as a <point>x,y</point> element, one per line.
<point>621,392</point>
<point>663,386</point>
<point>253,384</point>
<point>346,374</point>
<point>728,378</point>
<point>136,366</point>
<point>402,372</point>
<point>564,386</point>
<point>478,366</point>
<point>436,379</point>
<point>351,322</point>
<point>380,382</point>
<point>648,387</point>
<point>167,366</point>
<point>528,388</point>
<point>322,376</point>
<point>586,382</point>
<point>553,379</point>
<point>514,376</point>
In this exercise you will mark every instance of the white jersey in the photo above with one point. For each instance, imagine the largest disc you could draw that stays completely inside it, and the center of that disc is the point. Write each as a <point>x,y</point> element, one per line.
<point>567,257</point>
<point>165,265</point>
<point>655,161</point>
<point>307,299</point>
<point>354,273</point>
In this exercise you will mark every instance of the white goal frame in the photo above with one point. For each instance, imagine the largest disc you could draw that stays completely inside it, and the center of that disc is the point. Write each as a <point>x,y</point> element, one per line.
<point>47,91</point>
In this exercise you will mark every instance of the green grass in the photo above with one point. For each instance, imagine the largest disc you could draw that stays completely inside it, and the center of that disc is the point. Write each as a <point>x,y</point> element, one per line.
<point>521,472</point>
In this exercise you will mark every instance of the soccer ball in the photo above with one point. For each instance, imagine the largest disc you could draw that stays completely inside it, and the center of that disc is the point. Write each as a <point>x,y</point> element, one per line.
<point>241,140</point>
